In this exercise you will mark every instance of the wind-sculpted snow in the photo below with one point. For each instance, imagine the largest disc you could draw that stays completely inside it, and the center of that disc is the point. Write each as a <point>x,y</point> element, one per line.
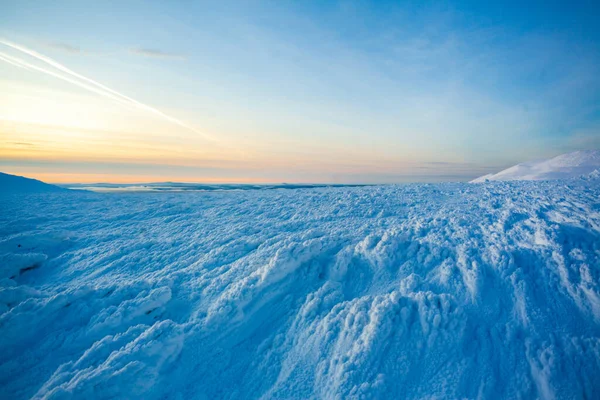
<point>418,291</point>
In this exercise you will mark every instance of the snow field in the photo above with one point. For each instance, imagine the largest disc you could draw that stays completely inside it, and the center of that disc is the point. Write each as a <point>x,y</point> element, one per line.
<point>416,291</point>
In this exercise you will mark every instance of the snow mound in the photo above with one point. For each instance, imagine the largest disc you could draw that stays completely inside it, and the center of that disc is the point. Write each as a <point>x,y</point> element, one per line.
<point>565,166</point>
<point>410,292</point>
<point>18,184</point>
<point>595,174</point>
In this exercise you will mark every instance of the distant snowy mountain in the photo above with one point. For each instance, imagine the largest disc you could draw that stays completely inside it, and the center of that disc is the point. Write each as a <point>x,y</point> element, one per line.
<point>565,166</point>
<point>18,184</point>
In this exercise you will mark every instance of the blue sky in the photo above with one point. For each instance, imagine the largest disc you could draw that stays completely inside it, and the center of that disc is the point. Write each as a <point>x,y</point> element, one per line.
<point>296,91</point>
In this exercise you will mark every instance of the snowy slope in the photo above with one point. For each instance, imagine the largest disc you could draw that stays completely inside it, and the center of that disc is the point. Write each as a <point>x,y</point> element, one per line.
<point>565,166</point>
<point>411,292</point>
<point>18,184</point>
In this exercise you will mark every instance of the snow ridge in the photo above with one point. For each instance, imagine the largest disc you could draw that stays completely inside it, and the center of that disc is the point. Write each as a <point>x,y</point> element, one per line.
<point>564,166</point>
<point>17,184</point>
<point>414,291</point>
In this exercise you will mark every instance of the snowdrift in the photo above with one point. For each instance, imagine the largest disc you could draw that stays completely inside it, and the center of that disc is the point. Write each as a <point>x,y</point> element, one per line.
<point>565,166</point>
<point>416,291</point>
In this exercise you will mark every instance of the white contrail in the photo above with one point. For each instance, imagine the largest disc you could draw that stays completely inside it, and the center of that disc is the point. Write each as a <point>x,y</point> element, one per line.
<point>91,85</point>
<point>7,60</point>
<point>17,62</point>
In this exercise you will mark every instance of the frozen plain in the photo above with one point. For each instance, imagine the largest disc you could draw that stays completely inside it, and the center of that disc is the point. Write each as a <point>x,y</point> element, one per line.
<point>416,291</point>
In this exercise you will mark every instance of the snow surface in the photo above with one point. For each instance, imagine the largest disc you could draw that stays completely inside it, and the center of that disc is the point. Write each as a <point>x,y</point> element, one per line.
<point>565,166</point>
<point>416,291</point>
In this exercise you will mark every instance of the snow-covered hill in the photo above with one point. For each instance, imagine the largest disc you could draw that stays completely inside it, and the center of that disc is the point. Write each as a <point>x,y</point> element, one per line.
<point>445,291</point>
<point>565,166</point>
<point>17,184</point>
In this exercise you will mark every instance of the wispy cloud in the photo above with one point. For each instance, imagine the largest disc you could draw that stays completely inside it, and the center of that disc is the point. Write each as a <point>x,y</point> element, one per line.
<point>81,81</point>
<point>66,47</point>
<point>21,143</point>
<point>153,53</point>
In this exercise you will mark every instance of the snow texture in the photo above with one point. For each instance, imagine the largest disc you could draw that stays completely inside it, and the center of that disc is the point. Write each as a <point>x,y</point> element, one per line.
<point>403,292</point>
<point>565,166</point>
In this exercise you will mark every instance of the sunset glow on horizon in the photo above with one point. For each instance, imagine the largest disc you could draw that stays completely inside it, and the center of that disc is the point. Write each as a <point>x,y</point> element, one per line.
<point>344,93</point>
